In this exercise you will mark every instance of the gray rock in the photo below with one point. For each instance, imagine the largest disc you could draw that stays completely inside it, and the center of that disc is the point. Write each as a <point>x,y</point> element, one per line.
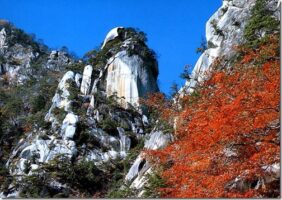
<point>140,166</point>
<point>158,140</point>
<point>125,142</point>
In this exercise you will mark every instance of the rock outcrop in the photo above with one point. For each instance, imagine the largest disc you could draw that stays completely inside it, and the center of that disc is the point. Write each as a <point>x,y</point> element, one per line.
<point>224,30</point>
<point>87,119</point>
<point>136,175</point>
<point>129,78</point>
<point>21,57</point>
<point>128,75</point>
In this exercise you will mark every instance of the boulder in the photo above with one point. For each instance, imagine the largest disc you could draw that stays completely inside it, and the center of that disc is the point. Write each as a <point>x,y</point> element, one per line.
<point>69,126</point>
<point>111,35</point>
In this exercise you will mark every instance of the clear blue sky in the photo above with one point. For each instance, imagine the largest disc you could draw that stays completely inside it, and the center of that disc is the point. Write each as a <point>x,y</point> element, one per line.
<point>174,27</point>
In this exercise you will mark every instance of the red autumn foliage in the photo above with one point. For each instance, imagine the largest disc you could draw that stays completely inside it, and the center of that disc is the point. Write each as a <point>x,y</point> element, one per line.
<point>226,133</point>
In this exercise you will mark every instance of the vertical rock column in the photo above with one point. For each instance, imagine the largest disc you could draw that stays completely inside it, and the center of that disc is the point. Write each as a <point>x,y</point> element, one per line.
<point>86,80</point>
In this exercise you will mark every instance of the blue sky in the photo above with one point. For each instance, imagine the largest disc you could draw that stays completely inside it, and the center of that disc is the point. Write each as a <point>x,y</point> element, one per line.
<point>174,27</point>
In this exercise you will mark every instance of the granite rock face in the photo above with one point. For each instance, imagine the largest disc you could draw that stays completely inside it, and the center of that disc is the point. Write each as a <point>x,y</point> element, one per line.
<point>129,78</point>
<point>224,30</point>
<point>88,118</point>
<point>136,175</point>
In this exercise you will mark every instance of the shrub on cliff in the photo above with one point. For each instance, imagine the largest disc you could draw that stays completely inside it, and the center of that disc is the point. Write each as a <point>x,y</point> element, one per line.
<point>261,23</point>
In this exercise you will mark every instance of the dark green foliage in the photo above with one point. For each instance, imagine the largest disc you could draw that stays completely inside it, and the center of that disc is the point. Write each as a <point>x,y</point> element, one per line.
<point>203,46</point>
<point>82,176</point>
<point>261,22</point>
<point>27,167</point>
<point>110,126</point>
<point>38,103</point>
<point>154,183</point>
<point>38,186</point>
<point>18,36</point>
<point>173,89</point>
<point>224,10</point>
<point>84,137</point>
<point>121,190</point>
<point>73,90</point>
<point>211,45</point>
<point>12,108</point>
<point>60,114</point>
<point>118,188</point>
<point>76,67</point>
<point>186,74</point>
<point>37,64</point>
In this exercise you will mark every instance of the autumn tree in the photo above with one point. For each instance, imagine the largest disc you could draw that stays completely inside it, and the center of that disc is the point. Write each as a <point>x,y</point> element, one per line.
<point>229,136</point>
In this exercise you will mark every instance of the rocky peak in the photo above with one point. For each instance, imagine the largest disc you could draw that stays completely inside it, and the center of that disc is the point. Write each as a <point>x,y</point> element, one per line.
<point>22,56</point>
<point>94,114</point>
<point>128,68</point>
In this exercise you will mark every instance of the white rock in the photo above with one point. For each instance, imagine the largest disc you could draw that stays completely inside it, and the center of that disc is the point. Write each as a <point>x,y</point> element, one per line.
<point>78,79</point>
<point>69,132</point>
<point>134,169</point>
<point>272,172</point>
<point>129,79</point>
<point>230,19</point>
<point>145,120</point>
<point>140,166</point>
<point>125,142</point>
<point>158,140</point>
<point>111,35</point>
<point>3,38</point>
<point>53,54</point>
<point>86,80</point>
<point>68,76</point>
<point>70,119</point>
<point>228,152</point>
<point>69,126</point>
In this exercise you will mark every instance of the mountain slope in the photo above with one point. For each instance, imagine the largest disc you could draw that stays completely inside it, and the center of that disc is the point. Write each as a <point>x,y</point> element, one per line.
<point>98,126</point>
<point>92,124</point>
<point>227,122</point>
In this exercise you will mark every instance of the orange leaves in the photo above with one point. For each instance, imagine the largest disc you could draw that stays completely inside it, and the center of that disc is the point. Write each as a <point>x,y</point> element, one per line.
<point>232,111</point>
<point>159,106</point>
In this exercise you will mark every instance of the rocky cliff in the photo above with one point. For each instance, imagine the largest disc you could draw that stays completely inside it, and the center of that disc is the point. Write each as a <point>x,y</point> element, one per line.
<point>76,128</point>
<point>224,30</point>
<point>93,119</point>
<point>22,57</point>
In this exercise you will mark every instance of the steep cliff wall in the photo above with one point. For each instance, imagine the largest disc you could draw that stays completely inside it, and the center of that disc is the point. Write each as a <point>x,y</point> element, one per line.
<point>224,30</point>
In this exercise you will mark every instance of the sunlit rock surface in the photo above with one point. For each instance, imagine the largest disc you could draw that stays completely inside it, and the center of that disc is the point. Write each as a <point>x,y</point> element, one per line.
<point>224,30</point>
<point>129,78</point>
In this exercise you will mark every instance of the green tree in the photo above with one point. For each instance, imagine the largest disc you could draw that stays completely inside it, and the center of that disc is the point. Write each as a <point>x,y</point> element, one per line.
<point>186,74</point>
<point>203,46</point>
<point>262,22</point>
